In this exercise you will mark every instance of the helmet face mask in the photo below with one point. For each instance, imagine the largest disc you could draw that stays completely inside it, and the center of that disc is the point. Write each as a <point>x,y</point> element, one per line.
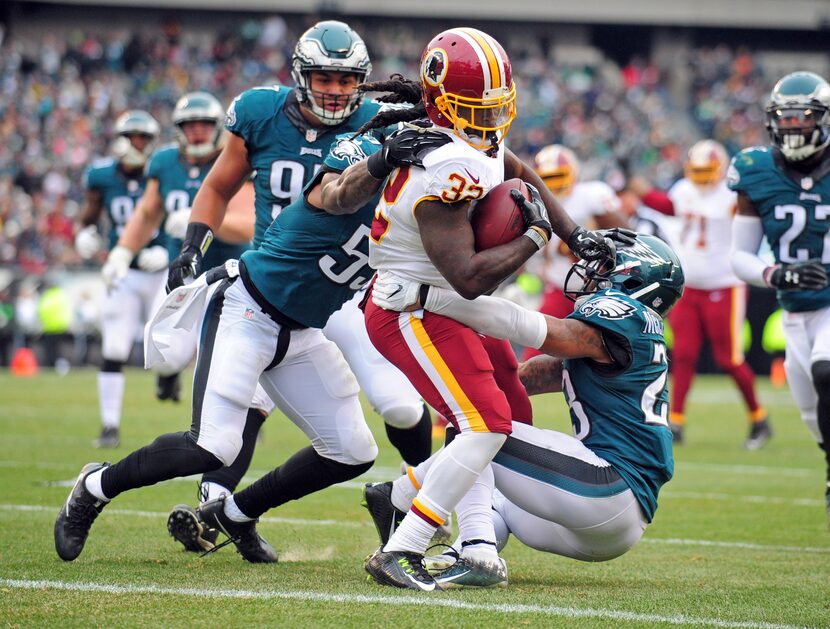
<point>135,122</point>
<point>203,107</point>
<point>798,115</point>
<point>467,85</point>
<point>333,47</point>
<point>648,271</point>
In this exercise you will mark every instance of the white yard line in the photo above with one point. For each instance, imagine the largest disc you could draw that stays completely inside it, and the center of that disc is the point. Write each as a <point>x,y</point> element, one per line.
<point>367,524</point>
<point>435,600</point>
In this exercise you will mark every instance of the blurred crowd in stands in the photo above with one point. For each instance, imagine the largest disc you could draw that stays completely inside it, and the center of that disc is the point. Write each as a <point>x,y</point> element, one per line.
<point>60,92</point>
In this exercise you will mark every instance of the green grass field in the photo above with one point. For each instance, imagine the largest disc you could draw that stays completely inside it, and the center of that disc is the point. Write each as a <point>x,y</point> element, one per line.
<point>740,538</point>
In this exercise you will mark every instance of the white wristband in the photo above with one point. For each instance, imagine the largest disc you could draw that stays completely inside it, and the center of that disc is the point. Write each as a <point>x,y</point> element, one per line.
<point>536,237</point>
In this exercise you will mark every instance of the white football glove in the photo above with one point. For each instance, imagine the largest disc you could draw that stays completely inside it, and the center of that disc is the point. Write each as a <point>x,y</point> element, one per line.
<point>116,267</point>
<point>392,292</point>
<point>153,259</point>
<point>176,224</point>
<point>88,242</point>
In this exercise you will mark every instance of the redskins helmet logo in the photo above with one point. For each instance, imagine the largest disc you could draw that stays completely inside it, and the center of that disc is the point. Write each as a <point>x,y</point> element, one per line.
<point>434,67</point>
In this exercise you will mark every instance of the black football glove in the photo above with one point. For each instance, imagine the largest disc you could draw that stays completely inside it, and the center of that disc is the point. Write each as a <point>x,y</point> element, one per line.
<point>807,275</point>
<point>534,214</point>
<point>406,147</point>
<point>592,245</point>
<point>621,235</point>
<point>189,261</point>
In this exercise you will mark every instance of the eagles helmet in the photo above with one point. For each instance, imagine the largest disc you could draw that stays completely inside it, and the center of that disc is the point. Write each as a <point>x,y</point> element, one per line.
<point>204,107</point>
<point>649,271</point>
<point>329,46</point>
<point>798,115</point>
<point>134,122</point>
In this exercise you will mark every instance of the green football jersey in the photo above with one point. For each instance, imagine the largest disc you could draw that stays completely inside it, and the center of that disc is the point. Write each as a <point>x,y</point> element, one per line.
<point>622,415</point>
<point>795,213</point>
<point>179,181</point>
<point>284,157</point>
<point>311,262</point>
<point>119,196</point>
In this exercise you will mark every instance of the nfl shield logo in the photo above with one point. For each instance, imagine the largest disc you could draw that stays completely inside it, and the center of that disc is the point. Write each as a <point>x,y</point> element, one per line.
<point>249,314</point>
<point>806,182</point>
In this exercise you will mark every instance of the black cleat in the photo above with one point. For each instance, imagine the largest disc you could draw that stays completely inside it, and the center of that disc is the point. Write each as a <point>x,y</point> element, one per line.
<point>77,515</point>
<point>109,438</point>
<point>184,526</point>
<point>377,498</point>
<point>401,570</point>
<point>244,536</point>
<point>759,433</point>
<point>168,388</point>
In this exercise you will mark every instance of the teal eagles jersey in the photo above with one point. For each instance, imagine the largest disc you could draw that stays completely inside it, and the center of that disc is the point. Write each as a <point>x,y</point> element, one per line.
<point>119,196</point>
<point>795,213</point>
<point>179,181</point>
<point>284,159</point>
<point>311,262</point>
<point>622,415</point>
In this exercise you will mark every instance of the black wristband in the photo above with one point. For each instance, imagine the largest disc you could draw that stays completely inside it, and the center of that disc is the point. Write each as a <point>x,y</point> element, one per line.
<point>377,166</point>
<point>423,293</point>
<point>198,236</point>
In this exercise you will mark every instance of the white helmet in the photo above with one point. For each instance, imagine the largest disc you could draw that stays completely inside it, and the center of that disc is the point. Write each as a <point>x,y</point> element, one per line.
<point>706,163</point>
<point>204,107</point>
<point>134,122</point>
<point>329,46</point>
<point>558,167</point>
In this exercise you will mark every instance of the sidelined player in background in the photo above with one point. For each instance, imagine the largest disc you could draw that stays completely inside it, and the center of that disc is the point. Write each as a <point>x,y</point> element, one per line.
<point>784,194</point>
<point>114,185</point>
<point>588,203</point>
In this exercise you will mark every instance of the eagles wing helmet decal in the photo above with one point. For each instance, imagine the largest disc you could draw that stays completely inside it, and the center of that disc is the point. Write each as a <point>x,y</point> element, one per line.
<point>607,307</point>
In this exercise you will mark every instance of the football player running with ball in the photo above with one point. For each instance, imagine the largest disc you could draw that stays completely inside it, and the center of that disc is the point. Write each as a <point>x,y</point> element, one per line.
<point>115,185</point>
<point>421,230</point>
<point>588,496</point>
<point>784,194</point>
<point>282,135</point>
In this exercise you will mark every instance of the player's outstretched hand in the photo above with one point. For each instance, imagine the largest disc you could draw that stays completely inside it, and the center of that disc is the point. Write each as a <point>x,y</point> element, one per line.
<point>592,245</point>
<point>534,212</point>
<point>406,147</point>
<point>807,275</point>
<point>392,292</point>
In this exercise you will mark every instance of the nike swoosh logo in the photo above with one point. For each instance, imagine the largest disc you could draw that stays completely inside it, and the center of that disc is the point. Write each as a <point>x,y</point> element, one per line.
<point>396,291</point>
<point>475,179</point>
<point>426,587</point>
<point>452,578</point>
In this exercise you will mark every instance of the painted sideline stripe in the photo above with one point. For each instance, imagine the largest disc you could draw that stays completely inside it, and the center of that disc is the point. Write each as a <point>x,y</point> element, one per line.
<point>772,500</point>
<point>351,524</point>
<point>423,601</point>
<point>751,470</point>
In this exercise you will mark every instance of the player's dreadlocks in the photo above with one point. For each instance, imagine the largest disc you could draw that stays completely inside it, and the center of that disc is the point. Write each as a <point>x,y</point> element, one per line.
<point>398,90</point>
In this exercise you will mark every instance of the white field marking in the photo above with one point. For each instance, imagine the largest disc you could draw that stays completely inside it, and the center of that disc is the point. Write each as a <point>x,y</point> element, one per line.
<point>750,470</point>
<point>423,601</point>
<point>161,514</point>
<point>771,500</point>
<point>351,524</point>
<point>762,547</point>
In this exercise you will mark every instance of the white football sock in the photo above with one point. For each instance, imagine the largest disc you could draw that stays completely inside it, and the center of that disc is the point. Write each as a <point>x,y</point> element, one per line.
<point>413,535</point>
<point>110,397</point>
<point>92,482</point>
<point>211,491</point>
<point>234,512</point>
<point>474,510</point>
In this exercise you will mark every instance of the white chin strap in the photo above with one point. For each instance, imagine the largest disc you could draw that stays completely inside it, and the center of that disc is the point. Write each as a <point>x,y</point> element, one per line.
<point>795,147</point>
<point>200,150</point>
<point>127,154</point>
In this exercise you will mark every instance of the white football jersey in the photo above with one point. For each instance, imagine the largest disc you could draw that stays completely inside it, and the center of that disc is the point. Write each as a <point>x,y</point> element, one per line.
<point>705,238</point>
<point>451,173</point>
<point>586,200</point>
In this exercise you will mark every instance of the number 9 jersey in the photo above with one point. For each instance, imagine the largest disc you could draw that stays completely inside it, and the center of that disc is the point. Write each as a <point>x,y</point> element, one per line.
<point>795,214</point>
<point>621,413</point>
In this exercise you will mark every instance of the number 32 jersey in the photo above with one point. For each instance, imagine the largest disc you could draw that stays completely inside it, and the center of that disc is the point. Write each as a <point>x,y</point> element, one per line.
<point>622,414</point>
<point>452,173</point>
<point>795,213</point>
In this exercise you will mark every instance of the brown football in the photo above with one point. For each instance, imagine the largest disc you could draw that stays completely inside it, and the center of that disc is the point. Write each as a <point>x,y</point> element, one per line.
<point>496,219</point>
